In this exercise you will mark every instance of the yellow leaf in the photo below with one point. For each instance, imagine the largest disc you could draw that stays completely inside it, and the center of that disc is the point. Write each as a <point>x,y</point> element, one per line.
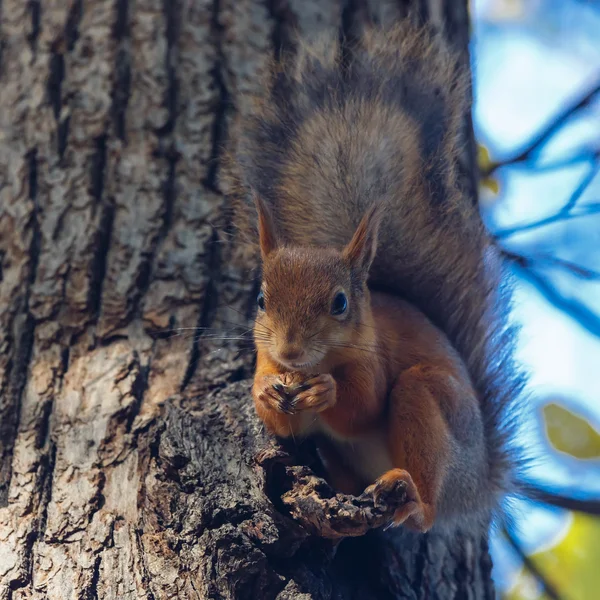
<point>491,184</point>
<point>483,157</point>
<point>570,433</point>
<point>487,183</point>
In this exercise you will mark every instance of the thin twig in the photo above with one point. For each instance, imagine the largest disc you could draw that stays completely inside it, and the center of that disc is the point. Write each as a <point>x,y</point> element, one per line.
<point>577,311</point>
<point>566,212</point>
<point>589,209</point>
<point>538,140</point>
<point>584,183</point>
<point>533,260</point>
<point>569,161</point>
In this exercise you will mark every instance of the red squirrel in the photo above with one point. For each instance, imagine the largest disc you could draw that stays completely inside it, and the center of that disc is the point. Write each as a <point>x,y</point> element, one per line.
<point>382,316</point>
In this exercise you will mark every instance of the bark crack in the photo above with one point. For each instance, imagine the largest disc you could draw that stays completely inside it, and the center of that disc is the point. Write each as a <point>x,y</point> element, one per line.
<point>138,389</point>
<point>48,465</point>
<point>219,129</point>
<point>72,25</point>
<point>209,307</point>
<point>54,84</point>
<point>92,592</point>
<point>65,43</point>
<point>104,232</point>
<point>283,18</point>
<point>170,14</point>
<point>122,69</point>
<point>144,567</point>
<point>35,13</point>
<point>167,151</point>
<point>2,42</point>
<point>24,341</point>
<point>98,168</point>
<point>26,575</point>
<point>218,139</point>
<point>99,264</point>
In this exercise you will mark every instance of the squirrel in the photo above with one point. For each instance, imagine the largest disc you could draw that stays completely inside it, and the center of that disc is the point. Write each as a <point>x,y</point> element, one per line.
<point>382,324</point>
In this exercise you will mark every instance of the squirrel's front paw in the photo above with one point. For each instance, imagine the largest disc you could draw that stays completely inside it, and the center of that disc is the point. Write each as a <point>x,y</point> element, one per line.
<point>317,393</point>
<point>273,394</point>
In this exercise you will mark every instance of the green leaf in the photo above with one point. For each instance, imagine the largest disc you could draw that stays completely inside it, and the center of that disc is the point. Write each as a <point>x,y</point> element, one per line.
<point>570,433</point>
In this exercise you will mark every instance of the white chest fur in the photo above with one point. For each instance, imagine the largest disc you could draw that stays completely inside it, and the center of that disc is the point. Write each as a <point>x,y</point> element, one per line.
<point>368,454</point>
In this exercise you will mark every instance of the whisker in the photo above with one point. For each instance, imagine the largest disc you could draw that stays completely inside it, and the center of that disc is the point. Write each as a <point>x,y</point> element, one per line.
<point>359,333</point>
<point>257,324</point>
<point>316,334</point>
<point>266,330</point>
<point>225,335</point>
<point>218,337</point>
<point>335,344</point>
<point>182,331</point>
<point>367,325</point>
<point>246,317</point>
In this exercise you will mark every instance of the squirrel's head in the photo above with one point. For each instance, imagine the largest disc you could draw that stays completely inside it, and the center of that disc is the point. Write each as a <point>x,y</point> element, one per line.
<point>313,301</point>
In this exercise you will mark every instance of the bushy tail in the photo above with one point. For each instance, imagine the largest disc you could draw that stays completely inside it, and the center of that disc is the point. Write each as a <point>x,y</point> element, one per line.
<point>382,121</point>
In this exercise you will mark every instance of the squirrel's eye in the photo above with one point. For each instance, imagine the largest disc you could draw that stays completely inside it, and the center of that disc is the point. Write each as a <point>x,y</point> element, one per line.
<point>340,304</point>
<point>260,300</point>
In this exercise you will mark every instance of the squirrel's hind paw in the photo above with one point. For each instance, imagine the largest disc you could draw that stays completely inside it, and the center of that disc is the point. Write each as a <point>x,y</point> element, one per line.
<point>415,514</point>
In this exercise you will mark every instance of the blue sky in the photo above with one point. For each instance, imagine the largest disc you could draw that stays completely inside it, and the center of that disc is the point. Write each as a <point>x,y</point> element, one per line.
<point>529,59</point>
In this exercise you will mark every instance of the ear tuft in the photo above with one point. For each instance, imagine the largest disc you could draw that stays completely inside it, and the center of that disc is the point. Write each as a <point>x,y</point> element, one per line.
<point>266,230</point>
<point>362,248</point>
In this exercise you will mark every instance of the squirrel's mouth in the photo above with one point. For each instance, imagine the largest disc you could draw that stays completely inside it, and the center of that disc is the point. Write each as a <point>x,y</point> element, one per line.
<point>307,361</point>
<point>303,365</point>
<point>297,366</point>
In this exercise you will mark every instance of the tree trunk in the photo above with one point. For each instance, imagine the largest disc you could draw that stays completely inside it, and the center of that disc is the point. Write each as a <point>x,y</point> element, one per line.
<point>128,443</point>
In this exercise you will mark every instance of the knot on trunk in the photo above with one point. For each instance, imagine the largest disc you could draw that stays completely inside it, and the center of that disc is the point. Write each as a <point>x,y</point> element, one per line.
<point>311,501</point>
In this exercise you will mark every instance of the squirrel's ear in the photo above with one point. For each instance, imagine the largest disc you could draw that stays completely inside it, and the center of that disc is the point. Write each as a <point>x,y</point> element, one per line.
<point>266,230</point>
<point>361,250</point>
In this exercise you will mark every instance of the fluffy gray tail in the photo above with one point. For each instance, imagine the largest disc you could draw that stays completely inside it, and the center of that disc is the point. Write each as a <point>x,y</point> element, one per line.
<point>383,121</point>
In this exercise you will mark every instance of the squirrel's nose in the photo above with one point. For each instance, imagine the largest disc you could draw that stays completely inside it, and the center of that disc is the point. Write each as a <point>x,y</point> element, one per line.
<point>291,353</point>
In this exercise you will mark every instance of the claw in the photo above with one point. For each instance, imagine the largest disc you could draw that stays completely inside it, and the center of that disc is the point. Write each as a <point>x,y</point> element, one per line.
<point>280,389</point>
<point>299,388</point>
<point>284,407</point>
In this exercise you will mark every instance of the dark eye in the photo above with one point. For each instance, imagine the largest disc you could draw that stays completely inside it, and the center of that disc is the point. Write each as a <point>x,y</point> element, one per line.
<point>260,300</point>
<point>340,304</point>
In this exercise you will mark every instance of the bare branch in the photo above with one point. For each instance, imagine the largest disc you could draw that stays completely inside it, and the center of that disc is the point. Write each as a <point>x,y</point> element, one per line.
<point>532,261</point>
<point>566,212</point>
<point>546,132</point>
<point>587,318</point>
<point>549,588</point>
<point>584,183</point>
<point>538,493</point>
<point>589,209</point>
<point>569,161</point>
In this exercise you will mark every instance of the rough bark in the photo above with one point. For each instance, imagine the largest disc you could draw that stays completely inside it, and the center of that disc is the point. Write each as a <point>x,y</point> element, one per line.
<point>131,462</point>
